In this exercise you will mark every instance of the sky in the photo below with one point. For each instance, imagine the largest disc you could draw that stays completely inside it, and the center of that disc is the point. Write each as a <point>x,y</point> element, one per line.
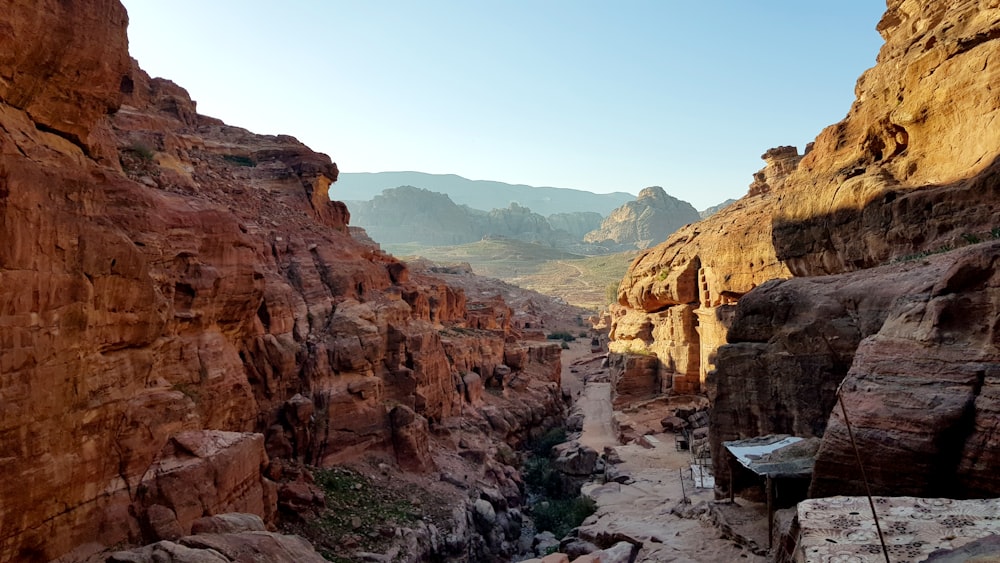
<point>594,95</point>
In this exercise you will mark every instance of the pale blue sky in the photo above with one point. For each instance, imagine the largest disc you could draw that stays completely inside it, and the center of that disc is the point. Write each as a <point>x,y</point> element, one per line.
<point>602,96</point>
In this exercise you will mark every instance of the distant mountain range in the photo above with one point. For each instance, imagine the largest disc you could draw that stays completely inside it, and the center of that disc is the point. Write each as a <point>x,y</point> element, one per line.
<point>478,194</point>
<point>409,214</point>
<point>442,215</point>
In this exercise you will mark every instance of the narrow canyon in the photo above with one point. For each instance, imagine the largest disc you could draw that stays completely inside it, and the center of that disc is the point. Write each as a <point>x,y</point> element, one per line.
<point>202,360</point>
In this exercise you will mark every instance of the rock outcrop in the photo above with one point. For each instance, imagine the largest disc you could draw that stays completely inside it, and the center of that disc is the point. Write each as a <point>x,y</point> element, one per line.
<point>709,211</point>
<point>577,224</point>
<point>409,215</point>
<point>648,220</point>
<point>181,304</point>
<point>912,171</point>
<point>225,538</point>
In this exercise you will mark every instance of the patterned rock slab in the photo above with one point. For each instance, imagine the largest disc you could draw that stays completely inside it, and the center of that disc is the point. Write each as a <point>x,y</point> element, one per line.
<point>841,529</point>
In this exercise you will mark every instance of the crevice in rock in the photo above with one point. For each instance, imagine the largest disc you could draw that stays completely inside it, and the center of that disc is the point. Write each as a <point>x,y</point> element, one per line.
<point>966,44</point>
<point>71,138</point>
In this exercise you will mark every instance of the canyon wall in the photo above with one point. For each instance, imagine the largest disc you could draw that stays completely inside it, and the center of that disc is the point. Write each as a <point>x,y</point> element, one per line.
<point>181,303</point>
<point>911,175</point>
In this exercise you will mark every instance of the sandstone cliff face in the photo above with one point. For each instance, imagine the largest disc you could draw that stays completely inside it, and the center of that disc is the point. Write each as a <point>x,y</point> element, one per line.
<point>180,302</point>
<point>577,224</point>
<point>924,391</point>
<point>915,347</point>
<point>912,170</point>
<point>651,218</point>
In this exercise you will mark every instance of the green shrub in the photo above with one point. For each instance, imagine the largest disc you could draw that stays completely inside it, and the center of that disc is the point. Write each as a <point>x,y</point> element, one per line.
<point>561,335</point>
<point>542,446</point>
<point>561,516</point>
<point>540,478</point>
<point>506,455</point>
<point>611,292</point>
<point>141,150</point>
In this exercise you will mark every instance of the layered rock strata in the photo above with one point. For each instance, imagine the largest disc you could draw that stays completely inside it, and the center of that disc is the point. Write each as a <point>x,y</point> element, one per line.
<point>911,171</point>
<point>181,303</point>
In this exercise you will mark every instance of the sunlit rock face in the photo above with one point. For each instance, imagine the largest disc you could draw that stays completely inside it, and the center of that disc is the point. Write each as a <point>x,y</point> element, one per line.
<point>648,220</point>
<point>911,171</point>
<point>180,303</point>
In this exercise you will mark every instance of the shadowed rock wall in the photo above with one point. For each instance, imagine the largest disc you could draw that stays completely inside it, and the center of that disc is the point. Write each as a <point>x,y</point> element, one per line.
<point>910,173</point>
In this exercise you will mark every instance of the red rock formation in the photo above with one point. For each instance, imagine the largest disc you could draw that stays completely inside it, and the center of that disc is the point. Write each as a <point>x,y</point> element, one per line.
<point>163,275</point>
<point>634,378</point>
<point>923,393</point>
<point>912,170</point>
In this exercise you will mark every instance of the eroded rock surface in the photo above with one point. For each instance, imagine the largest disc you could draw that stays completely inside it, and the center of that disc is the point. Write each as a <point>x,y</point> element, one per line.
<point>911,172</point>
<point>181,304</point>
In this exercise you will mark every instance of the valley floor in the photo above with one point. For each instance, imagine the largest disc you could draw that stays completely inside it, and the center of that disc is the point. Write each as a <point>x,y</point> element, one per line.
<point>660,480</point>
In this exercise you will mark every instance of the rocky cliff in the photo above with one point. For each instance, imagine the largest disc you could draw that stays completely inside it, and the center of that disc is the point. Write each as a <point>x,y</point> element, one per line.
<point>910,173</point>
<point>409,215</point>
<point>650,219</point>
<point>181,304</point>
<point>577,223</point>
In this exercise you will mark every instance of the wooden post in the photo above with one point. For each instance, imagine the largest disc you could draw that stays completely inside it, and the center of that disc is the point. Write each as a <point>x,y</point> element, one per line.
<point>770,511</point>
<point>732,478</point>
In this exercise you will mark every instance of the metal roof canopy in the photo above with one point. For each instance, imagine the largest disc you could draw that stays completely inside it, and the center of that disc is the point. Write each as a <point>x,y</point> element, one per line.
<point>772,457</point>
<point>756,454</point>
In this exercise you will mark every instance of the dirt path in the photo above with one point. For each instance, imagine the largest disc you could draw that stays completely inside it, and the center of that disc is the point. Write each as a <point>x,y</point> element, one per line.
<point>660,479</point>
<point>641,509</point>
<point>579,273</point>
<point>598,423</point>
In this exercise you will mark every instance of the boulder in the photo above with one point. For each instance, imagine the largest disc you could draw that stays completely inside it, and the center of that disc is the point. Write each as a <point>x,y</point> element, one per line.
<point>410,440</point>
<point>299,499</point>
<point>473,386</point>
<point>574,458</point>
<point>230,523</point>
<point>162,523</point>
<point>673,424</point>
<point>544,542</point>
<point>208,472</point>
<point>483,514</point>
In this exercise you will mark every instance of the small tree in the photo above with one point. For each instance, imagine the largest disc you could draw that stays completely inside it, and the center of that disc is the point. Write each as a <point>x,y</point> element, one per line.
<point>611,292</point>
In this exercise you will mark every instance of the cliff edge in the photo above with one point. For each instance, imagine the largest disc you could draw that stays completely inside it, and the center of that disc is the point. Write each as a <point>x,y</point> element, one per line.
<point>910,174</point>
<point>181,305</point>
